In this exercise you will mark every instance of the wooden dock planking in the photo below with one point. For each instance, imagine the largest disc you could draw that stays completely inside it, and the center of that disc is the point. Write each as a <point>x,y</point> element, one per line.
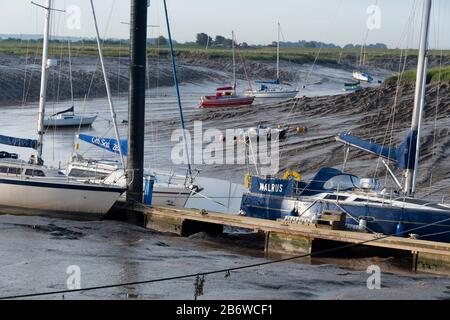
<point>281,236</point>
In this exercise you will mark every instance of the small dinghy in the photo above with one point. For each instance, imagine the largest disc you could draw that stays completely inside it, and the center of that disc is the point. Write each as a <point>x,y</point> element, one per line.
<point>352,86</point>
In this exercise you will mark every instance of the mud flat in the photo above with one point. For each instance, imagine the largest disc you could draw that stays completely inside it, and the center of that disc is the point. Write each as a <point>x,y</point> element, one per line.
<point>20,76</point>
<point>374,113</point>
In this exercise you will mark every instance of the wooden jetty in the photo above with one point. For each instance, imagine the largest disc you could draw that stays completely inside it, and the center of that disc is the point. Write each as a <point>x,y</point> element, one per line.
<point>289,238</point>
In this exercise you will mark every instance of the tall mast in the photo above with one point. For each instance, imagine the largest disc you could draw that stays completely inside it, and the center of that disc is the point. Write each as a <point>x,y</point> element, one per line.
<point>177,88</point>
<point>43,92</point>
<point>278,52</point>
<point>234,61</point>
<point>419,101</point>
<point>108,90</point>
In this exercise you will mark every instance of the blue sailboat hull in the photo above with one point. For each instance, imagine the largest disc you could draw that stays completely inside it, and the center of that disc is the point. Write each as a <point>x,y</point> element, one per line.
<point>382,220</point>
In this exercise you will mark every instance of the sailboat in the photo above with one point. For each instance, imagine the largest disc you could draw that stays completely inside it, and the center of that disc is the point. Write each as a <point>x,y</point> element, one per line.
<point>366,206</point>
<point>32,188</point>
<point>168,189</point>
<point>227,96</point>
<point>362,76</point>
<point>68,118</point>
<point>267,89</point>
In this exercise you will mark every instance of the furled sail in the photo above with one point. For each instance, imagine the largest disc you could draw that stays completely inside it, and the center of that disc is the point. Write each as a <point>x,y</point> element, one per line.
<point>18,142</point>
<point>105,143</point>
<point>70,110</point>
<point>403,156</point>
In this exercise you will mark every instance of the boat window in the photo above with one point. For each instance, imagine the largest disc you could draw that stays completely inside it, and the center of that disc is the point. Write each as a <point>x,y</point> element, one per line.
<point>11,170</point>
<point>78,173</point>
<point>367,200</point>
<point>34,173</point>
<point>335,197</point>
<point>342,182</point>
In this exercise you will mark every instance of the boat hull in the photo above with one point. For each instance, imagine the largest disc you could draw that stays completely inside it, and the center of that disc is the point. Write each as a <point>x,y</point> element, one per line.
<point>362,77</point>
<point>381,219</point>
<point>170,196</point>
<point>214,102</point>
<point>272,95</point>
<point>56,199</point>
<point>72,122</point>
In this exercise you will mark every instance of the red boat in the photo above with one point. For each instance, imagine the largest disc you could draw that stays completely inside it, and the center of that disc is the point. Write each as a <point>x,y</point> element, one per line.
<point>225,97</point>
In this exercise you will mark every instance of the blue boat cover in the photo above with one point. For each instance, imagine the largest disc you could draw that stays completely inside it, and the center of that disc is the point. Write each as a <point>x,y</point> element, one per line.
<point>269,82</point>
<point>105,143</point>
<point>18,142</point>
<point>315,186</point>
<point>403,156</point>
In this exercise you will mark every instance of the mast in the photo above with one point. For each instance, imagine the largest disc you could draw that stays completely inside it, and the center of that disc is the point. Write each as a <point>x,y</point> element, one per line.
<point>70,77</point>
<point>278,53</point>
<point>419,101</point>
<point>177,87</point>
<point>234,61</point>
<point>43,92</point>
<point>136,109</point>
<point>108,90</point>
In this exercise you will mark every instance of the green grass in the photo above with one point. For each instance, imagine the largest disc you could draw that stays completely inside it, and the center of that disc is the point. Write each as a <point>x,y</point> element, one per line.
<point>295,55</point>
<point>434,75</point>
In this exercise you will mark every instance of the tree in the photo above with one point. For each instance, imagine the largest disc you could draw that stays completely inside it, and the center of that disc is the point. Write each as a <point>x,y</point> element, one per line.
<point>220,40</point>
<point>228,43</point>
<point>161,41</point>
<point>310,44</point>
<point>203,39</point>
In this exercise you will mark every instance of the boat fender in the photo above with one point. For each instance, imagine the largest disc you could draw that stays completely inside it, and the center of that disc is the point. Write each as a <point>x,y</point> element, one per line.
<point>301,130</point>
<point>247,181</point>
<point>292,174</point>
<point>400,229</point>
<point>362,225</point>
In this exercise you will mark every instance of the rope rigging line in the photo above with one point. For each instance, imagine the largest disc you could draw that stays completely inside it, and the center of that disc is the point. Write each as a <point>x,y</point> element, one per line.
<point>297,100</point>
<point>389,132</point>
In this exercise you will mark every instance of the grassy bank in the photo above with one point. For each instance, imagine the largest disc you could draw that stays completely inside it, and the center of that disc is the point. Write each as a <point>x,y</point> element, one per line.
<point>434,75</point>
<point>295,55</point>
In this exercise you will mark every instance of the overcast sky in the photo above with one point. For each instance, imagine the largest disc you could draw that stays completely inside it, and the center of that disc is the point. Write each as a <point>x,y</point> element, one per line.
<point>337,21</point>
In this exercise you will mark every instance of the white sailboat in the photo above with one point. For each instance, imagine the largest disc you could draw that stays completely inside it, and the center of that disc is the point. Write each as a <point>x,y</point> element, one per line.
<point>68,118</point>
<point>271,89</point>
<point>362,76</point>
<point>168,189</point>
<point>31,188</point>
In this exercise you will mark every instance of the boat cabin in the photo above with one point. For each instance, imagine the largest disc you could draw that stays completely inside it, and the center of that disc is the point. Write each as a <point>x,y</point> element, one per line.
<point>20,168</point>
<point>224,92</point>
